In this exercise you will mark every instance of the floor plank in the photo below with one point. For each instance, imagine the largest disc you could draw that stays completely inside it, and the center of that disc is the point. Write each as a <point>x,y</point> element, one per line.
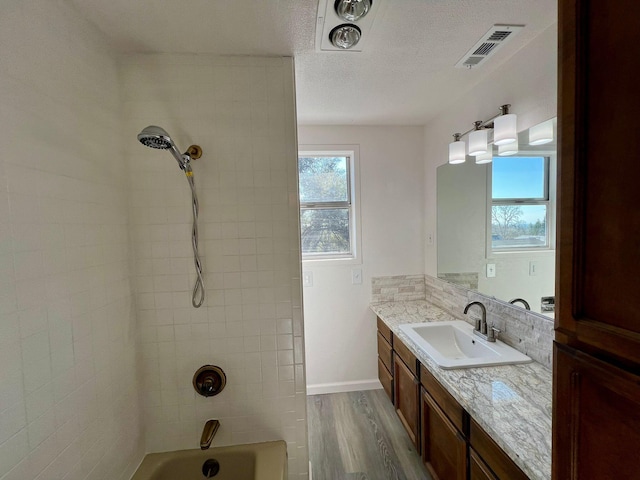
<point>358,436</point>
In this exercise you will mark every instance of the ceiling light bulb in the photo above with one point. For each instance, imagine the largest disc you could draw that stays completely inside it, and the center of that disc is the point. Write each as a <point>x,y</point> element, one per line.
<point>541,133</point>
<point>478,142</point>
<point>505,129</point>
<point>508,149</point>
<point>457,151</point>
<point>352,10</point>
<point>345,36</point>
<point>484,158</point>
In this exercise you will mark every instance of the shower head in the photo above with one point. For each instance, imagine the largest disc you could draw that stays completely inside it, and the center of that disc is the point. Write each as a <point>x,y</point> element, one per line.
<point>156,137</point>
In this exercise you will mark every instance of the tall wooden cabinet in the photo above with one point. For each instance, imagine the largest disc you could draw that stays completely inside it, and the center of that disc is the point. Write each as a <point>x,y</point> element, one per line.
<point>596,424</point>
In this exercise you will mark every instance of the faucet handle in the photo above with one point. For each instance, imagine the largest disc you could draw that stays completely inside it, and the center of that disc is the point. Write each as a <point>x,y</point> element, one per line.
<point>493,332</point>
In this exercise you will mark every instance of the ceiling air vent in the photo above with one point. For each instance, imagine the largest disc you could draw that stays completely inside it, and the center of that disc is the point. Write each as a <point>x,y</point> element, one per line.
<point>489,44</point>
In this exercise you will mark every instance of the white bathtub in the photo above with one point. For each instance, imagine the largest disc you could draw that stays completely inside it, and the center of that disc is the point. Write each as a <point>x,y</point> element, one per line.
<point>257,461</point>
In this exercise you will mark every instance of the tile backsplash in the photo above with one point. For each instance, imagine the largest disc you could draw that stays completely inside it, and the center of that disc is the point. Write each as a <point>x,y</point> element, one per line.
<point>528,332</point>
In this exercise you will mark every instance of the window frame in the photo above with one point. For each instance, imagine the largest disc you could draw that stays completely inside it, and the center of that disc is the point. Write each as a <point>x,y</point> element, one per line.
<point>548,200</point>
<point>352,202</point>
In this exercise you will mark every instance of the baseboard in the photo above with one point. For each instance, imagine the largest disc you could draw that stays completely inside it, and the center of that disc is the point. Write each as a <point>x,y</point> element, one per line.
<point>339,387</point>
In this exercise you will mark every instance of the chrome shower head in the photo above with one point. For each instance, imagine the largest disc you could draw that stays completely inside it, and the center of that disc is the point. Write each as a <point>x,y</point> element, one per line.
<point>157,137</point>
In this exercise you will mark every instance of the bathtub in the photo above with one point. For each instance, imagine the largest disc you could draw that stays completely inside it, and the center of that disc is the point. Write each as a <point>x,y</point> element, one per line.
<point>256,461</point>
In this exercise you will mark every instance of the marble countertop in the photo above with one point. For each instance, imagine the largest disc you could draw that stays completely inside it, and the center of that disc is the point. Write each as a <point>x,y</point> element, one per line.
<point>512,403</point>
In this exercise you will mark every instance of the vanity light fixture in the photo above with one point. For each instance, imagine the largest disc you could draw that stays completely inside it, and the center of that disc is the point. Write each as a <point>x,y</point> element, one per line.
<point>352,10</point>
<point>508,149</point>
<point>345,36</point>
<point>541,133</point>
<point>478,140</point>
<point>504,132</point>
<point>484,158</point>
<point>457,150</point>
<point>505,128</point>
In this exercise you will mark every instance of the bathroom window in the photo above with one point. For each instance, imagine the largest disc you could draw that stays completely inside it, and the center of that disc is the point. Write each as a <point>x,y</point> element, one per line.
<point>327,207</point>
<point>520,203</point>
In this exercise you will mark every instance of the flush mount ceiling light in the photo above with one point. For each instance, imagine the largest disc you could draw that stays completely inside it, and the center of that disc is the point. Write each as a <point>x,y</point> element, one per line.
<point>345,36</point>
<point>478,140</point>
<point>541,133</point>
<point>352,10</point>
<point>505,128</point>
<point>457,150</point>
<point>504,131</point>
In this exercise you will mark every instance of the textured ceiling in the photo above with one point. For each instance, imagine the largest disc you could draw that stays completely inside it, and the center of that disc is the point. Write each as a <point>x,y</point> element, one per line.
<point>405,75</point>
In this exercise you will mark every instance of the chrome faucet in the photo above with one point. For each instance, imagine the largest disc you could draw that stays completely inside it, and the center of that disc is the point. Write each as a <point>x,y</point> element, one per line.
<point>208,432</point>
<point>522,301</point>
<point>481,329</point>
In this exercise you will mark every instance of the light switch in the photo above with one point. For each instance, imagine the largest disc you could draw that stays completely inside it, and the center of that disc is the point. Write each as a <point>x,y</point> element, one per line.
<point>491,270</point>
<point>356,276</point>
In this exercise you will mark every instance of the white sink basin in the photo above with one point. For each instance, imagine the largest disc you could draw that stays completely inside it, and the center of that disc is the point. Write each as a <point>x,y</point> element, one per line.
<point>453,345</point>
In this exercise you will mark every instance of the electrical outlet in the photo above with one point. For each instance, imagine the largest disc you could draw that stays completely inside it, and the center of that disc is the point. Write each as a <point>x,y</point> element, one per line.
<point>429,238</point>
<point>491,270</point>
<point>307,279</point>
<point>356,276</point>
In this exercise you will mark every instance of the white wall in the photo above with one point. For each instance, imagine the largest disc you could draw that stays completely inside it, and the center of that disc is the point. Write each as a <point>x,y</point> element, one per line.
<point>68,395</point>
<point>340,329</point>
<point>527,81</point>
<point>241,111</point>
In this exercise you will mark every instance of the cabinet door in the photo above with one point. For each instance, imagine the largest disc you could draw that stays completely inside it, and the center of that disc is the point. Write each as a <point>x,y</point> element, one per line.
<point>478,470</point>
<point>406,398</point>
<point>444,449</point>
<point>598,214</point>
<point>385,379</point>
<point>596,417</point>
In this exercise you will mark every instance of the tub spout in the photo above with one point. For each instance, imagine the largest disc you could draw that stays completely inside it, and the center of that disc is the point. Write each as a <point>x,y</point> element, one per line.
<point>208,432</point>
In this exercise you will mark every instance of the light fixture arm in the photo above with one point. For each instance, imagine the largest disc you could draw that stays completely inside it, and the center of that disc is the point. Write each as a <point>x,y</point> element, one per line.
<point>478,125</point>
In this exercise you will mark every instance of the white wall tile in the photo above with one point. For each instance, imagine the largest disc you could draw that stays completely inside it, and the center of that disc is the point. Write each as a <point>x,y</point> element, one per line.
<point>233,104</point>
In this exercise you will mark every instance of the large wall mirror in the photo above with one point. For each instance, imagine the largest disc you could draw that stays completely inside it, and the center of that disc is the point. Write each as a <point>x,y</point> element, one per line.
<point>496,223</point>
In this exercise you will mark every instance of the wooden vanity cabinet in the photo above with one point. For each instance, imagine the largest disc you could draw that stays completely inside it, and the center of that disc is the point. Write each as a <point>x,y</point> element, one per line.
<point>444,448</point>
<point>406,390</point>
<point>385,358</point>
<point>478,470</point>
<point>493,457</point>
<point>443,426</point>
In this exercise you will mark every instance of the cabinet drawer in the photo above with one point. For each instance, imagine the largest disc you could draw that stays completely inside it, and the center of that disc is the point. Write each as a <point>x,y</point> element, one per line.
<point>386,379</point>
<point>478,470</point>
<point>384,352</point>
<point>444,399</point>
<point>385,331</point>
<point>495,458</point>
<point>405,354</point>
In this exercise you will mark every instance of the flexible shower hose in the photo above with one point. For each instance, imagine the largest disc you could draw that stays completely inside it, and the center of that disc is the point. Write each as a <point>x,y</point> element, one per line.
<point>197,297</point>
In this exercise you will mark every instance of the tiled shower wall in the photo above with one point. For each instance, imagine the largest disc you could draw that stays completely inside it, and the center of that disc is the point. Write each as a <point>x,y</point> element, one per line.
<point>241,111</point>
<point>68,394</point>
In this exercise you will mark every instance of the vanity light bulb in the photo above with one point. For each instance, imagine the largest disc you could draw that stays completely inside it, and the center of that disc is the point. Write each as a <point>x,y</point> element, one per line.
<point>508,149</point>
<point>505,129</point>
<point>484,158</point>
<point>457,152</point>
<point>478,142</point>
<point>541,133</point>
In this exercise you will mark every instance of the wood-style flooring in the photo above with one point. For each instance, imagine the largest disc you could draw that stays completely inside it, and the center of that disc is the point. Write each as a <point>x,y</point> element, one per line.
<point>358,436</point>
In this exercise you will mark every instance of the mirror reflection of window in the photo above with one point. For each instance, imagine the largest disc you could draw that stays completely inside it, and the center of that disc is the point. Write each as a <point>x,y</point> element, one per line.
<point>520,203</point>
